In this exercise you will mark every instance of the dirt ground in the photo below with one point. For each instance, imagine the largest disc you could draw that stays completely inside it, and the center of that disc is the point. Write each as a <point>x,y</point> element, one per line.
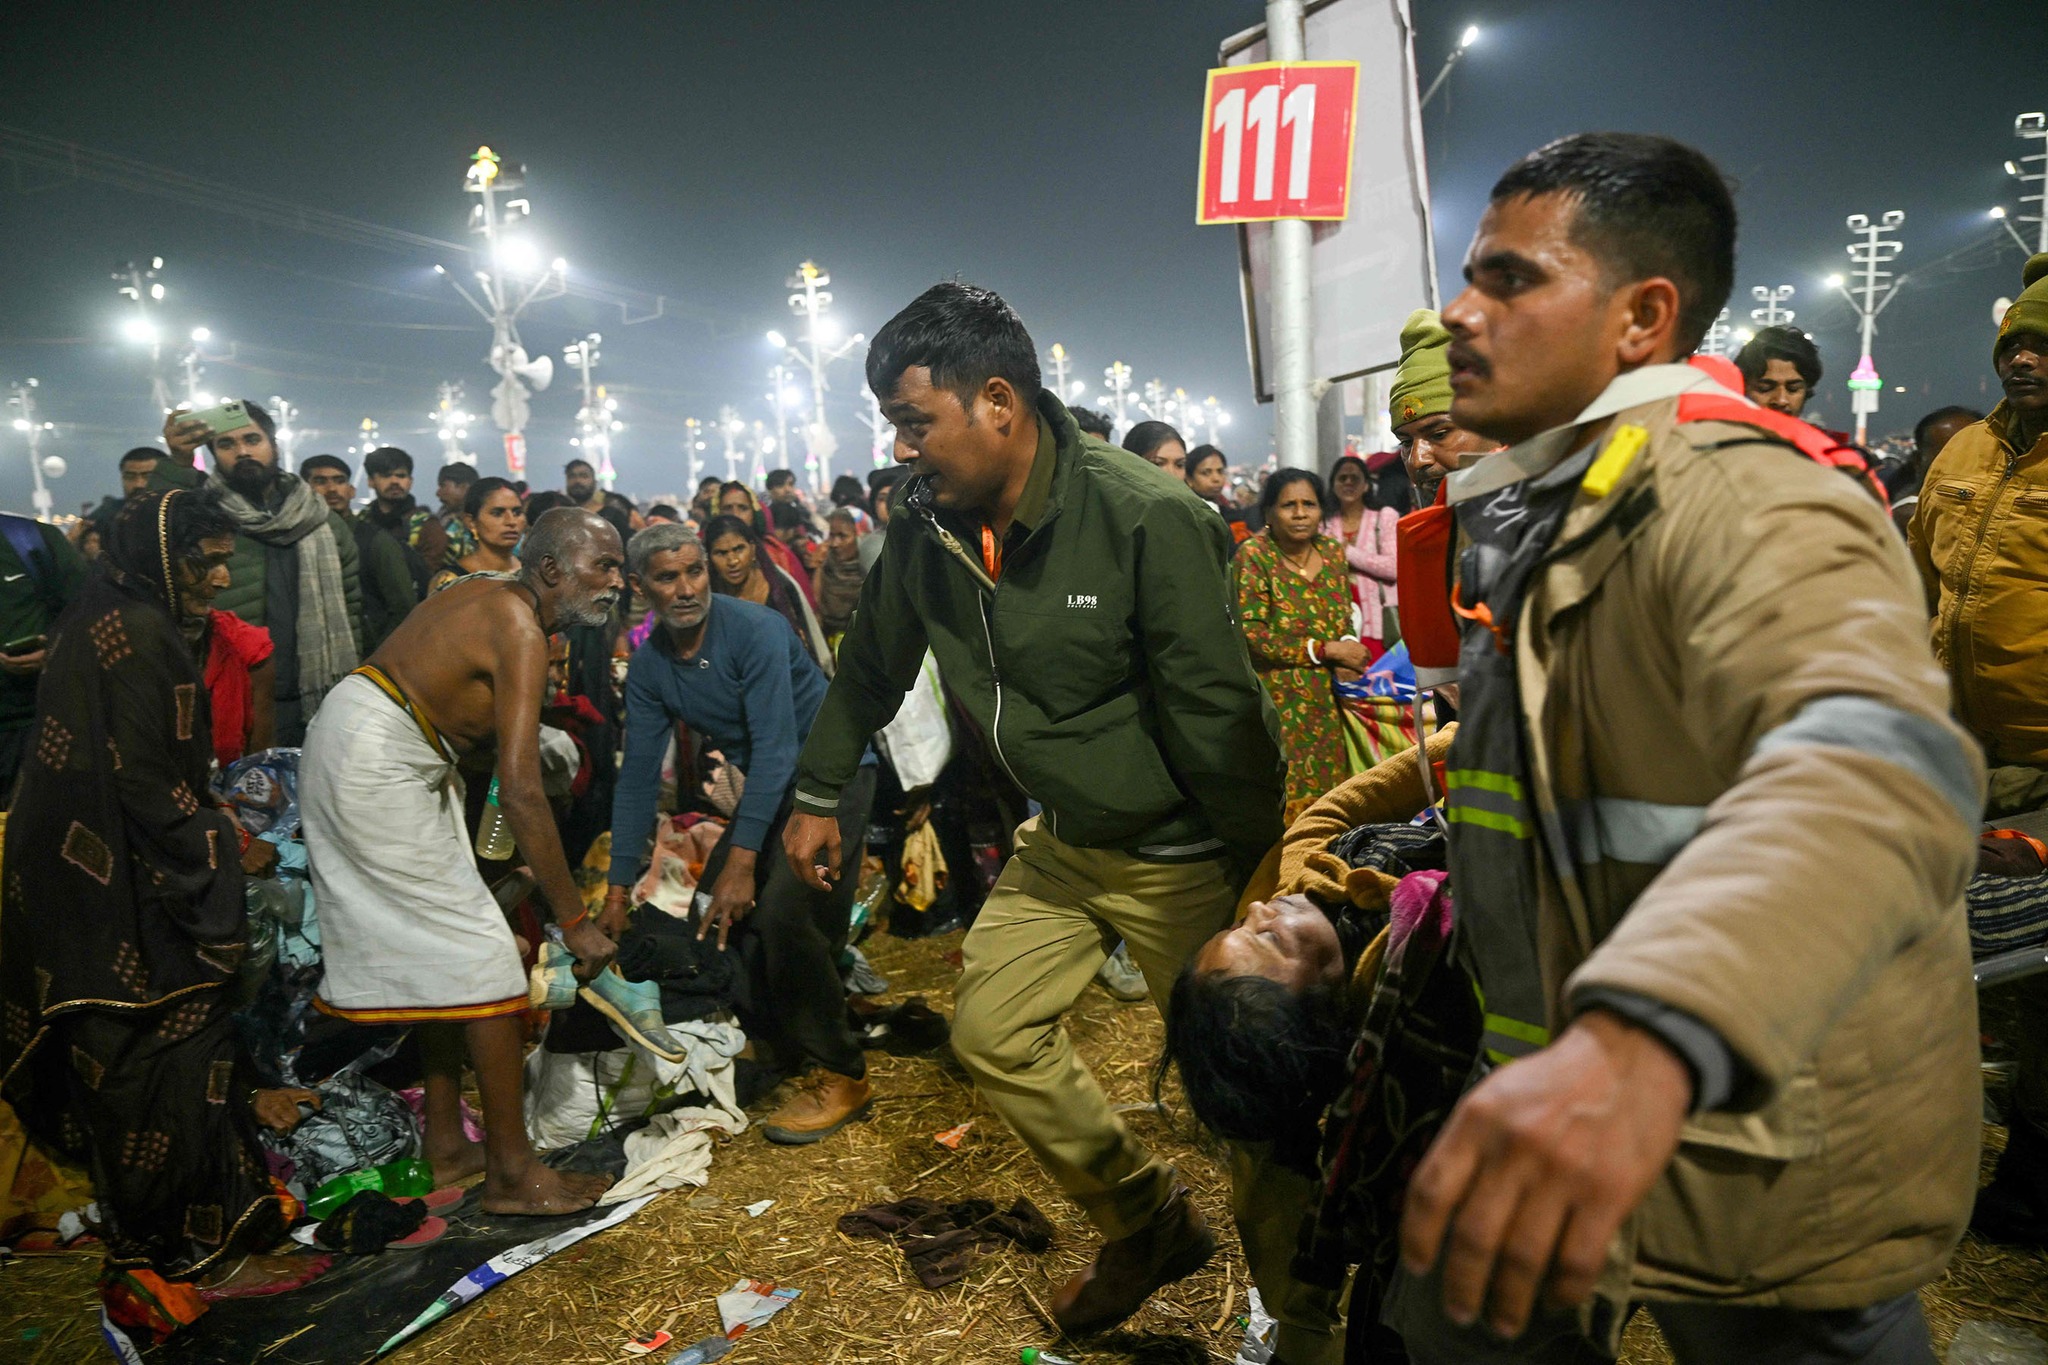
<point>859,1303</point>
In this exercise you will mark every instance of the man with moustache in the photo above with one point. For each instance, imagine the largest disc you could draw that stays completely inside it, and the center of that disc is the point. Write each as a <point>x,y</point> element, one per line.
<point>1710,825</point>
<point>1419,409</point>
<point>410,932</point>
<point>1980,538</point>
<point>388,592</point>
<point>295,567</point>
<point>736,673</point>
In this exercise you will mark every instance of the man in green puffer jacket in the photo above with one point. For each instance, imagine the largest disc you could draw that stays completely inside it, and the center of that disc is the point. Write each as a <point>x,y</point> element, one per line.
<point>294,570</point>
<point>1076,602</point>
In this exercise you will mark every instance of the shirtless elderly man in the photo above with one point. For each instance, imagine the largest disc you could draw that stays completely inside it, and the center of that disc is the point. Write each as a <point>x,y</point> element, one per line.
<point>411,932</point>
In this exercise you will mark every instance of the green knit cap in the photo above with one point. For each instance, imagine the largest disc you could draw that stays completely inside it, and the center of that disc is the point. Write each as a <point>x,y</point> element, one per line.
<point>1422,381</point>
<point>2029,312</point>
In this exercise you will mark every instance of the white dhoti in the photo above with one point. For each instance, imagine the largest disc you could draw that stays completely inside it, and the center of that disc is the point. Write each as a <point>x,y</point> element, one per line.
<point>409,930</point>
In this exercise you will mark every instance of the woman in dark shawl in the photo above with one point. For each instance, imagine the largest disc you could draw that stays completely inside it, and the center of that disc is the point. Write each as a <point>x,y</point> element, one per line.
<point>122,925</point>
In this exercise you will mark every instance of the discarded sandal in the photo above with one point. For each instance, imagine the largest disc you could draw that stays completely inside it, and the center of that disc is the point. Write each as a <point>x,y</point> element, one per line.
<point>304,1270</point>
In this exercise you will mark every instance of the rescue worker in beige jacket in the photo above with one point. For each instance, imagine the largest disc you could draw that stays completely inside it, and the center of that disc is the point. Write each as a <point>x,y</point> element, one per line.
<point>1711,824</point>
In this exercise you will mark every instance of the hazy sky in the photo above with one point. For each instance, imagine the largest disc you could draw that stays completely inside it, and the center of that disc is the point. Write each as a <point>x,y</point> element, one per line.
<point>1047,150</point>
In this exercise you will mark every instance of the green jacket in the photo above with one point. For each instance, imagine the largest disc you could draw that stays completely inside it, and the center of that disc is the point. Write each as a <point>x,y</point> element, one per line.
<point>245,594</point>
<point>387,583</point>
<point>1105,667</point>
<point>27,610</point>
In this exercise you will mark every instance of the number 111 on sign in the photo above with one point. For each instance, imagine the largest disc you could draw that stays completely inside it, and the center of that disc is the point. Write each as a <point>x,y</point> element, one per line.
<point>1276,142</point>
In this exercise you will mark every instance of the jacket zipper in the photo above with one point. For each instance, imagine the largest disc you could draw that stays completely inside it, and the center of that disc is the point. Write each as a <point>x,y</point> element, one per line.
<point>995,672</point>
<point>1955,625</point>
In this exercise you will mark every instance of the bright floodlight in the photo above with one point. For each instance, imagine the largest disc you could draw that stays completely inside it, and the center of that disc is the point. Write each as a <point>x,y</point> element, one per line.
<point>1469,36</point>
<point>2011,169</point>
<point>21,424</point>
<point>202,400</point>
<point>559,266</point>
<point>156,291</point>
<point>440,269</point>
<point>139,329</point>
<point>518,255</point>
<point>1998,212</point>
<point>827,330</point>
<point>767,445</point>
<point>1833,281</point>
<point>201,334</point>
<point>776,338</point>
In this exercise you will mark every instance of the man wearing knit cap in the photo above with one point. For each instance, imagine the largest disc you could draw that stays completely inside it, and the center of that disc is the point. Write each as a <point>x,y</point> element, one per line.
<point>1980,539</point>
<point>1419,408</point>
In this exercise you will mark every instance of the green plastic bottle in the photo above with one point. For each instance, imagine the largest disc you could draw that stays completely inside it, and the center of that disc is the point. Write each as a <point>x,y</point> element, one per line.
<point>1031,1355</point>
<point>404,1179</point>
<point>494,832</point>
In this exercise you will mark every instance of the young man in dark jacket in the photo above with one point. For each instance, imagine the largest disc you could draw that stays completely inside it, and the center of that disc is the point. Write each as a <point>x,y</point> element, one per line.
<point>1075,600</point>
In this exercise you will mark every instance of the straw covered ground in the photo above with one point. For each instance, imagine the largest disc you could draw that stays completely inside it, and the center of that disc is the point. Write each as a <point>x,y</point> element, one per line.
<point>860,1304</point>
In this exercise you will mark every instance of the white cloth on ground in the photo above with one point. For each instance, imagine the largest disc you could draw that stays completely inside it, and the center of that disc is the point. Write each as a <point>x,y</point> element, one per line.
<point>407,923</point>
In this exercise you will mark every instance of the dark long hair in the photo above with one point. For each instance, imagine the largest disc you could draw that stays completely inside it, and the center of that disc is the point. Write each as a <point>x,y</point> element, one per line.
<point>1280,480</point>
<point>1258,1062</point>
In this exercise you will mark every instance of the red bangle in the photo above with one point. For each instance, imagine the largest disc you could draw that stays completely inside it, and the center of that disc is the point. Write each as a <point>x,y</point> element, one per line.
<point>566,925</point>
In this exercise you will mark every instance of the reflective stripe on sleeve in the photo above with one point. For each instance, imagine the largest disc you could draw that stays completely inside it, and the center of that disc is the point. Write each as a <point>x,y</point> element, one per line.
<point>1923,747</point>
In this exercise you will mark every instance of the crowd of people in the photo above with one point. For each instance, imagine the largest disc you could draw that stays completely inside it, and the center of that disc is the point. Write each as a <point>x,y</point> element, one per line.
<point>1558,845</point>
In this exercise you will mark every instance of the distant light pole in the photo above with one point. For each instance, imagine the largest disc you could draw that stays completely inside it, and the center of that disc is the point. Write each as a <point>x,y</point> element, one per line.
<point>597,418</point>
<point>512,281</point>
<point>1117,376</point>
<point>31,425</point>
<point>1059,371</point>
<point>881,431</point>
<point>778,395</point>
<point>452,424</point>
<point>140,284</point>
<point>809,301</point>
<point>1715,342</point>
<point>1465,41</point>
<point>286,437</point>
<point>693,450</point>
<point>1875,249</point>
<point>2031,170</point>
<point>1773,313</point>
<point>729,427</point>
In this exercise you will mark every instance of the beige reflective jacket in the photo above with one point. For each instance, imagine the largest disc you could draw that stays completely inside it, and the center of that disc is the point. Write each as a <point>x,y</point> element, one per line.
<point>1755,808</point>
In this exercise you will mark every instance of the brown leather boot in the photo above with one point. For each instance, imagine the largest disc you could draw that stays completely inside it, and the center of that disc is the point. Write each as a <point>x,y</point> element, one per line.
<point>824,1102</point>
<point>1175,1244</point>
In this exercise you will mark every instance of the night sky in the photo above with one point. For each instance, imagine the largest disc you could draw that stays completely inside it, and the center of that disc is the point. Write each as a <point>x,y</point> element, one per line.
<point>1047,150</point>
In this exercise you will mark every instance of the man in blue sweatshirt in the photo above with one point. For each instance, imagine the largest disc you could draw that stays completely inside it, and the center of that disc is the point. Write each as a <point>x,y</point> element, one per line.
<point>737,673</point>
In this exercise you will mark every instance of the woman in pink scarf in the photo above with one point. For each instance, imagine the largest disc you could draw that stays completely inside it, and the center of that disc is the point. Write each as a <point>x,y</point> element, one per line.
<point>1367,535</point>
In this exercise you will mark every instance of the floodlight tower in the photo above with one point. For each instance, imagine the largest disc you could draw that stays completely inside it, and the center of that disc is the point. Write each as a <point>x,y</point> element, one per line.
<point>140,284</point>
<point>1117,376</point>
<point>451,424</point>
<point>729,427</point>
<point>31,425</point>
<point>693,450</point>
<point>1773,313</point>
<point>286,437</point>
<point>510,279</point>
<point>809,300</point>
<point>2031,170</point>
<point>1873,289</point>
<point>598,418</point>
<point>1058,357</point>
<point>1715,342</point>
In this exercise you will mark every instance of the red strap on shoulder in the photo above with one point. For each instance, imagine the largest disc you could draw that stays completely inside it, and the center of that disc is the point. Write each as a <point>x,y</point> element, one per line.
<point>1810,440</point>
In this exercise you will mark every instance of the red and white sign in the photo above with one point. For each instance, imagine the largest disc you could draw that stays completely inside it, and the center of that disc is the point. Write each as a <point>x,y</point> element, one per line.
<point>1276,142</point>
<point>515,453</point>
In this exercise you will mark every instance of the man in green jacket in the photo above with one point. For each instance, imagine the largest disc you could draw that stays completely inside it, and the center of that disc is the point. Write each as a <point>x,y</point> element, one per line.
<point>1076,602</point>
<point>294,570</point>
<point>387,581</point>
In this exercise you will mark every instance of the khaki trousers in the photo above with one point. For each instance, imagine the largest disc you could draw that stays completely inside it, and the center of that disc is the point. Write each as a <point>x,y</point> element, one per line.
<point>1268,1202</point>
<point>1055,914</point>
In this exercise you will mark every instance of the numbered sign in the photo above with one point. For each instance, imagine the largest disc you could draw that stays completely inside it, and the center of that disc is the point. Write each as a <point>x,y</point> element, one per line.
<point>1276,142</point>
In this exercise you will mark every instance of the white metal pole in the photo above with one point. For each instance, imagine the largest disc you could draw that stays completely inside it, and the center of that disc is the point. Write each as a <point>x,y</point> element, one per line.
<point>1294,398</point>
<point>32,426</point>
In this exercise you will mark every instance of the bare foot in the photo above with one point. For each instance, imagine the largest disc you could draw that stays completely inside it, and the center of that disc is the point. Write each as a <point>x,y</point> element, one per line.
<point>456,1163</point>
<point>541,1189</point>
<point>259,1275</point>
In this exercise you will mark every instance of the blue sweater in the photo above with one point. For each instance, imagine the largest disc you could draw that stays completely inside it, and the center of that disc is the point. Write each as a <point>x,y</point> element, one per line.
<point>752,689</point>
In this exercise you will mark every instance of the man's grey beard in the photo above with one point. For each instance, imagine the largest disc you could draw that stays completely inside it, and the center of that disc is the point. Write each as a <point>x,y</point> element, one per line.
<point>591,609</point>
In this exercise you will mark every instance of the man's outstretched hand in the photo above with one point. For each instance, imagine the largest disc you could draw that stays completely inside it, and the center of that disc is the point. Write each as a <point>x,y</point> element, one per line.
<point>1538,1167</point>
<point>811,843</point>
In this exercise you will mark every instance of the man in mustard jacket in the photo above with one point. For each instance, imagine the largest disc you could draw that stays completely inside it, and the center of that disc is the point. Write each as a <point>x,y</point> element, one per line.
<point>1980,538</point>
<point>1710,828</point>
